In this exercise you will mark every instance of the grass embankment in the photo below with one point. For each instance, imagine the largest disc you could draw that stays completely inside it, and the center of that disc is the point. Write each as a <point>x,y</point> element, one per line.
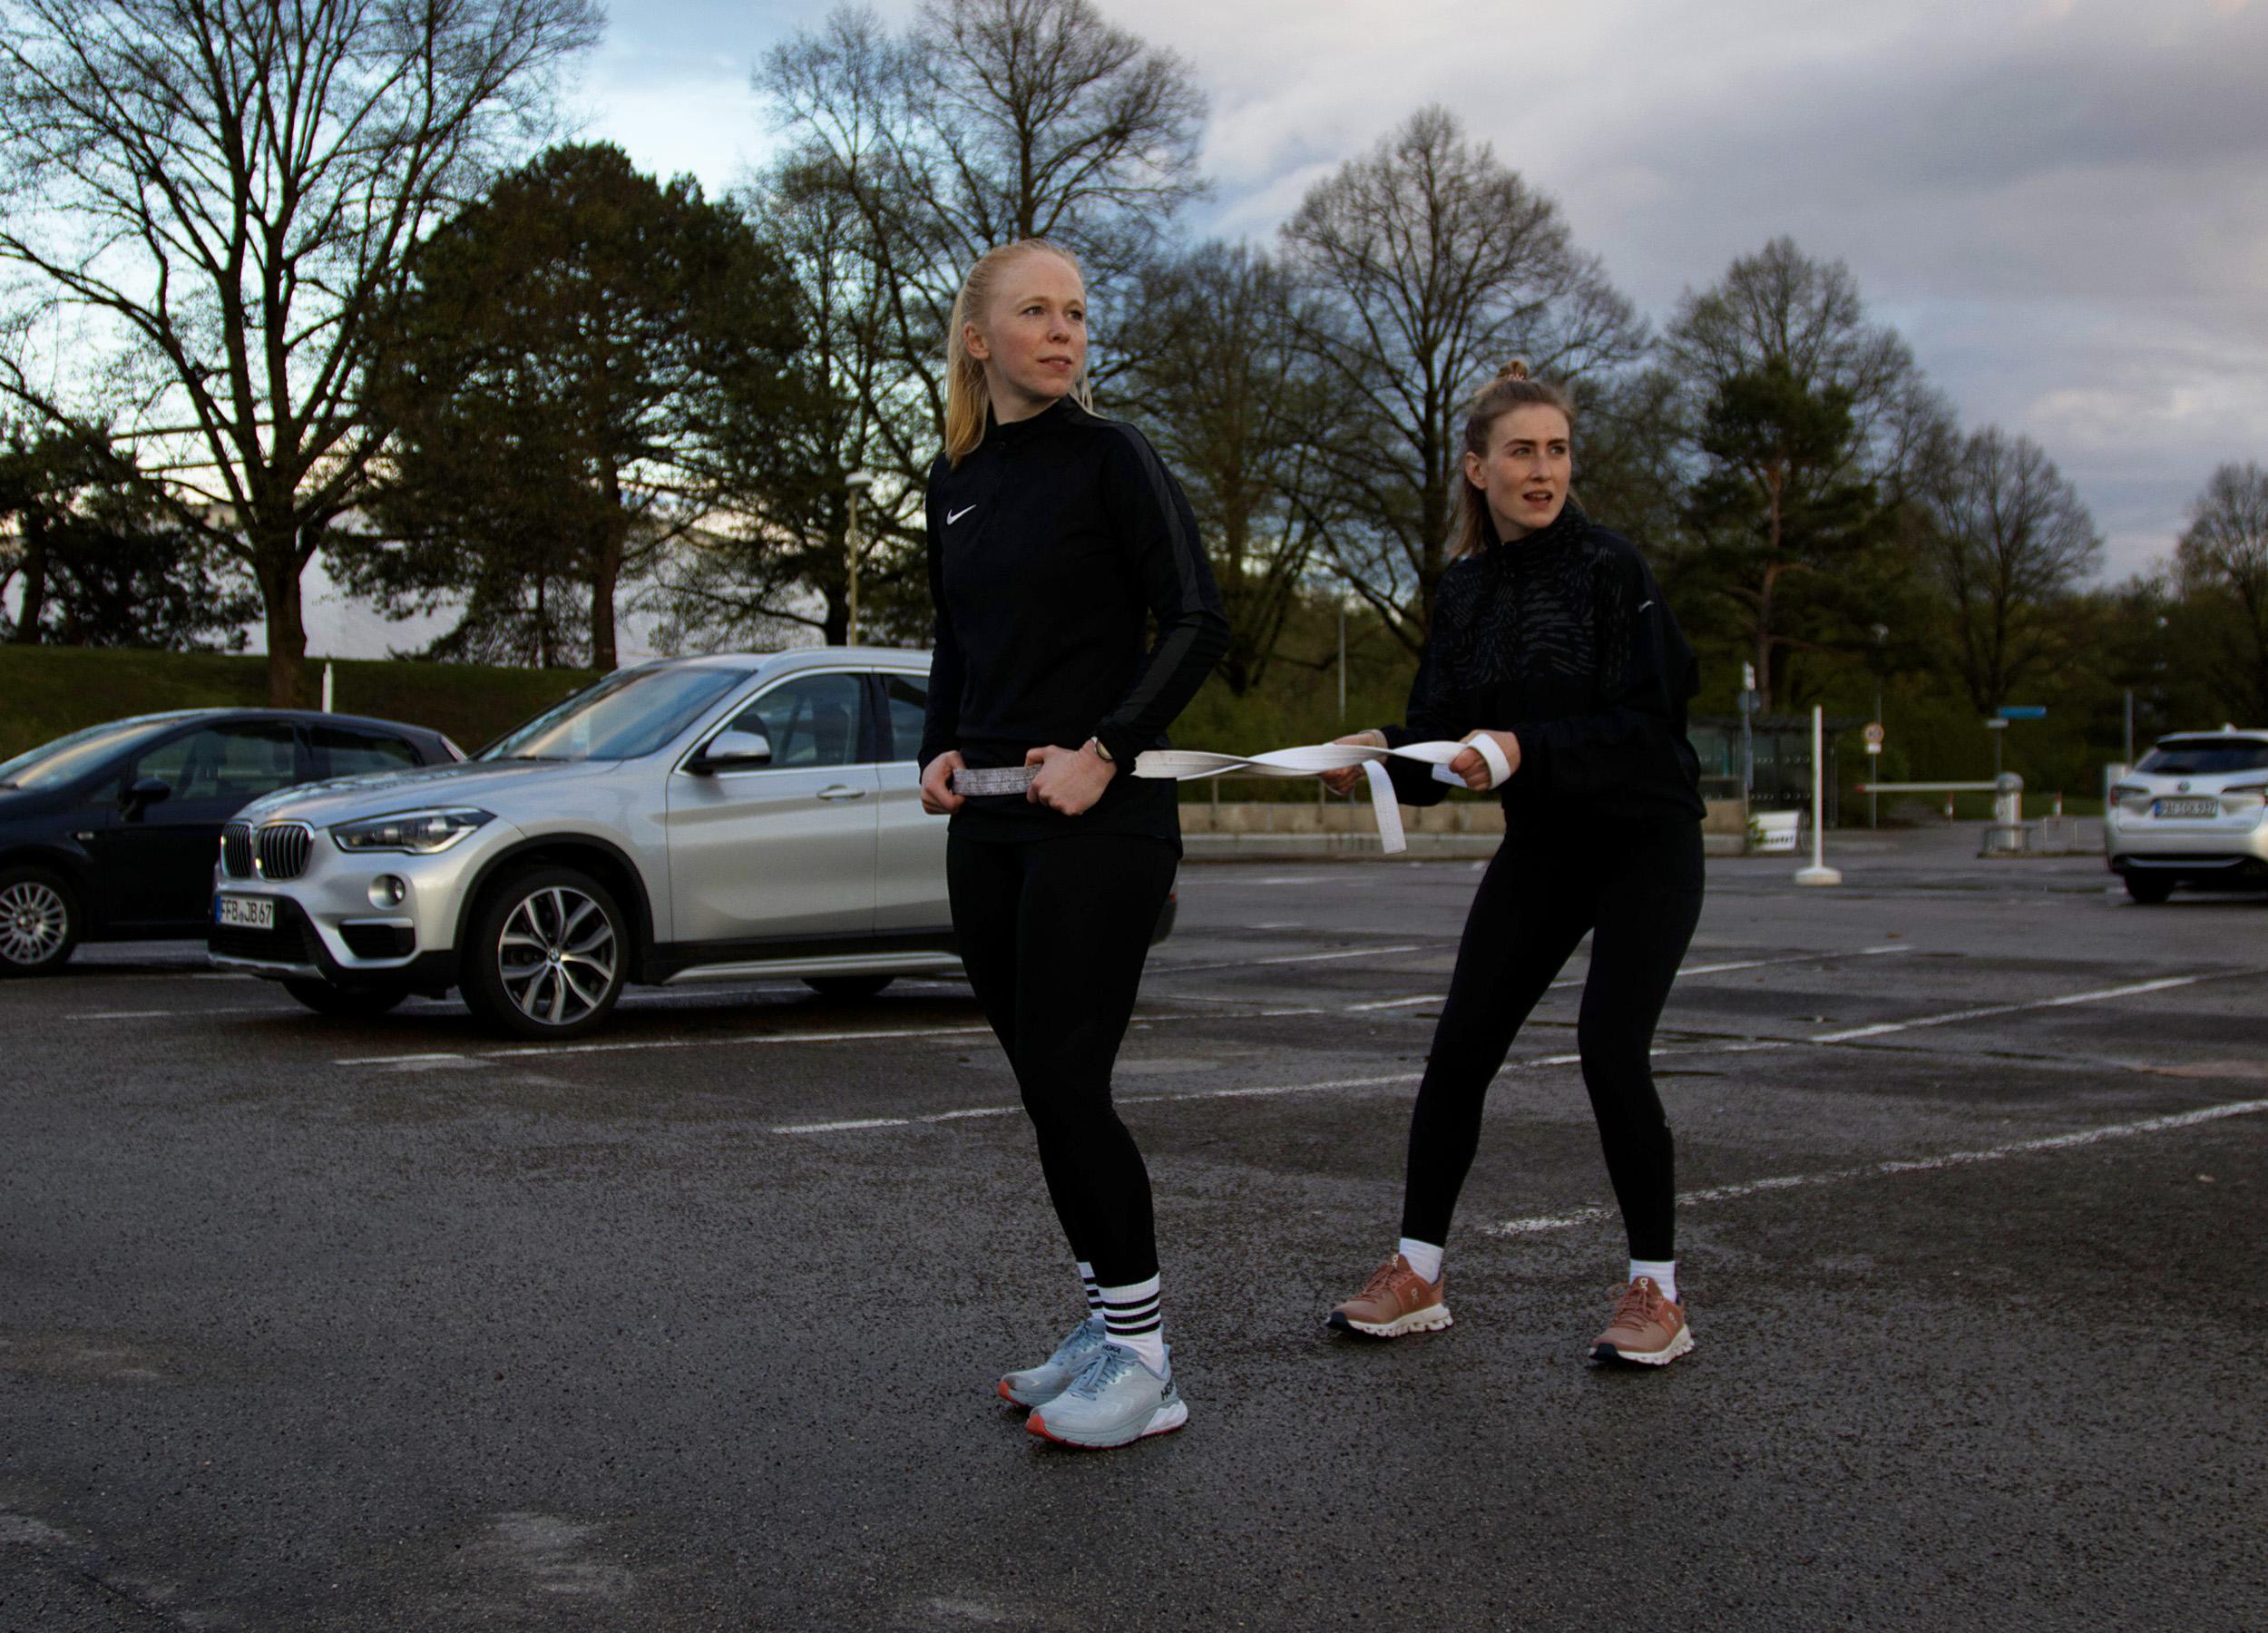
<point>46,691</point>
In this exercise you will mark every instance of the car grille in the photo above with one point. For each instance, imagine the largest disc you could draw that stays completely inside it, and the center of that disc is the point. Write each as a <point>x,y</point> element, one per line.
<point>284,849</point>
<point>236,850</point>
<point>289,942</point>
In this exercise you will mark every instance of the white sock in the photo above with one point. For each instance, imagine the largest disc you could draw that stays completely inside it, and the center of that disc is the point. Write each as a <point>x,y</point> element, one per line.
<point>1132,1318</point>
<point>1664,1273</point>
<point>1426,1258</point>
<point>1086,1285</point>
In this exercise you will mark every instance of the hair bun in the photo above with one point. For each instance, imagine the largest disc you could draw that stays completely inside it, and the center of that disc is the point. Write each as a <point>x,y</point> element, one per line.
<point>1517,369</point>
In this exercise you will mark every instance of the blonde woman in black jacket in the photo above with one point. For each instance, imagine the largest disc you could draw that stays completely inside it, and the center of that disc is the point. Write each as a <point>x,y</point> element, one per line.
<point>1551,640</point>
<point>1055,535</point>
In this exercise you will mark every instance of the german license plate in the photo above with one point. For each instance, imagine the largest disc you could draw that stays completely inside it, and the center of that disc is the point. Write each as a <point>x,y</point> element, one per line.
<point>2188,808</point>
<point>248,913</point>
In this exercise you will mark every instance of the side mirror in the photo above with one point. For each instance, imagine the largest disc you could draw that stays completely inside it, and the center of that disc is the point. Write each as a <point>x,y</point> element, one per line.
<point>143,794</point>
<point>732,751</point>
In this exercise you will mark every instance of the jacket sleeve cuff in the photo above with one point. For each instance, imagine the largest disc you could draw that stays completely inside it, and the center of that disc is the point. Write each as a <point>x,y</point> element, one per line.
<point>1124,745</point>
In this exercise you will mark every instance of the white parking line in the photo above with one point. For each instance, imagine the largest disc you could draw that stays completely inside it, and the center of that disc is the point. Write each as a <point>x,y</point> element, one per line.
<point>1538,1062</point>
<point>1715,969</point>
<point>1287,958</point>
<point>964,1113</point>
<point>1988,1012</point>
<point>1909,1165</point>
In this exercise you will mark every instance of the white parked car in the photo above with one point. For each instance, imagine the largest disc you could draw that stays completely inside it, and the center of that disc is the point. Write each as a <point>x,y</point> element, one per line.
<point>2193,813</point>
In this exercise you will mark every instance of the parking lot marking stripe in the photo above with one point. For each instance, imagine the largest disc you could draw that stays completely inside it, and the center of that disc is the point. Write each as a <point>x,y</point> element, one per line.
<point>131,1014</point>
<point>1752,1046</point>
<point>1907,1165</point>
<point>1715,969</point>
<point>1287,958</point>
<point>399,1060</point>
<point>637,1043</point>
<point>963,1114</point>
<point>1882,1029</point>
<point>1886,1028</point>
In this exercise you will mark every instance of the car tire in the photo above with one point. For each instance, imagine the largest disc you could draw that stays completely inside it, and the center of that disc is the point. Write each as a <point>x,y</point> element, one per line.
<point>356,1003</point>
<point>39,921</point>
<point>547,954</point>
<point>2148,889</point>
<point>848,986</point>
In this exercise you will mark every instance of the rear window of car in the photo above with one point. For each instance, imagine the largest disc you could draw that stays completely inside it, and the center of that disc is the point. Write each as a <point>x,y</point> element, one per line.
<point>2208,756</point>
<point>342,752</point>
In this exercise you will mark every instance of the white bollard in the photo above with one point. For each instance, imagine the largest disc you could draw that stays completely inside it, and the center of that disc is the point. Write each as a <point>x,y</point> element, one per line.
<point>1818,873</point>
<point>327,686</point>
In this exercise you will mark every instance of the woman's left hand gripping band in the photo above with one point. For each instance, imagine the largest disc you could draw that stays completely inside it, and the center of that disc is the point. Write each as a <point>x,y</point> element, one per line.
<point>1071,779</point>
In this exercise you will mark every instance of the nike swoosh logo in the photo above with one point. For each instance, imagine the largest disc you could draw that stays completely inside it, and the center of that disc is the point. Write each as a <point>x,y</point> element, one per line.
<point>957,515</point>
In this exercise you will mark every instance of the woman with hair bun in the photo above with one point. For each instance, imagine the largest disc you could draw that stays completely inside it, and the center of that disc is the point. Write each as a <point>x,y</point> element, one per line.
<point>1551,645</point>
<point>1054,536</point>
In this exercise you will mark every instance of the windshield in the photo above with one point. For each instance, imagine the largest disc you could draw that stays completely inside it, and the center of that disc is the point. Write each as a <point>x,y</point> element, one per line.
<point>2212,757</point>
<point>629,713</point>
<point>68,758</point>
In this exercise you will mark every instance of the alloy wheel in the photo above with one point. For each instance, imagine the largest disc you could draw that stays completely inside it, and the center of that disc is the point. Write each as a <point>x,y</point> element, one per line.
<point>557,955</point>
<point>34,920</point>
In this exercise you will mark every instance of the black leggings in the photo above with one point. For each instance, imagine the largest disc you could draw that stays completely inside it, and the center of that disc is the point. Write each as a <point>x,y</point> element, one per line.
<point>1053,933</point>
<point>1638,893</point>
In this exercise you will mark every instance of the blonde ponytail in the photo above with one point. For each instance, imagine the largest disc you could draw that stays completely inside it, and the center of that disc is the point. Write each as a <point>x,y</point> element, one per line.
<point>967,403</point>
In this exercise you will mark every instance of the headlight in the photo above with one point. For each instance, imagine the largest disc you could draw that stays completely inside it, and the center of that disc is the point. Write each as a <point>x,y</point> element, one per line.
<point>418,833</point>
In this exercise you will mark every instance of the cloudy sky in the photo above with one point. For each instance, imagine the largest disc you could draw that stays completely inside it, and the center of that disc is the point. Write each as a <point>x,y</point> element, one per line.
<point>2062,204</point>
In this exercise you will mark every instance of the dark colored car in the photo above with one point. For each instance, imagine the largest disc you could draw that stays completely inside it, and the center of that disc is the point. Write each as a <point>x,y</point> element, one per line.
<point>110,834</point>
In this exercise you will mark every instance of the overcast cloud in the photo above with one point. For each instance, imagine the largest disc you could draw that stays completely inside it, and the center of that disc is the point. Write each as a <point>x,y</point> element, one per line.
<point>2062,204</point>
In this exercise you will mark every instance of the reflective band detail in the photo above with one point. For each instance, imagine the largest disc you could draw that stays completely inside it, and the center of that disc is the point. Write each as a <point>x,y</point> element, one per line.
<point>994,779</point>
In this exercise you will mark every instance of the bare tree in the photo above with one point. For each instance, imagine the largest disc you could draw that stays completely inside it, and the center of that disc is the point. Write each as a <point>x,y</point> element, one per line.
<point>221,192</point>
<point>986,121</point>
<point>2223,554</point>
<point>1429,262</point>
<point>2010,541</point>
<point>1231,396</point>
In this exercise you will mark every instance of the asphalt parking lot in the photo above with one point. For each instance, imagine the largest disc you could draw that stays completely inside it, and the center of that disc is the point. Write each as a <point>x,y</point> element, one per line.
<point>392,1324</point>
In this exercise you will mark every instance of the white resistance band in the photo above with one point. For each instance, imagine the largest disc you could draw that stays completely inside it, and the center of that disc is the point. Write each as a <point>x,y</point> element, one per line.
<point>1191,765</point>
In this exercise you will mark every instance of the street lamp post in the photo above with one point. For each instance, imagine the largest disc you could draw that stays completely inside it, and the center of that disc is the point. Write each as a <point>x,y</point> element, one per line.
<point>1882,635</point>
<point>856,483</point>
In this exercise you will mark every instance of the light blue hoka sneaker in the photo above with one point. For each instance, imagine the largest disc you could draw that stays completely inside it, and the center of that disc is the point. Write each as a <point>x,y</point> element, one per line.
<point>1036,1387</point>
<point>1114,1402</point>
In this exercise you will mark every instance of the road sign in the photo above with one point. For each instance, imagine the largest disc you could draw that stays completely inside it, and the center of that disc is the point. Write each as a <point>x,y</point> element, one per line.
<point>1996,725</point>
<point>1873,734</point>
<point>2023,711</point>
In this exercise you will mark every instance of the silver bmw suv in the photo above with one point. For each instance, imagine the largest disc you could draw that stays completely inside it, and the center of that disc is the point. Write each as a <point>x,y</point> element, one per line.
<point>715,819</point>
<point>2193,812</point>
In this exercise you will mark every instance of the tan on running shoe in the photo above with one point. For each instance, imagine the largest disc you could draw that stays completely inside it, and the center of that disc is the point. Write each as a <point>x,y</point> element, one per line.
<point>1395,1300</point>
<point>1646,1329</point>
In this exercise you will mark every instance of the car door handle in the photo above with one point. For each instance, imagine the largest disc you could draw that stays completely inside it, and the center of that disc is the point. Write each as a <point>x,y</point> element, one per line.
<point>842,791</point>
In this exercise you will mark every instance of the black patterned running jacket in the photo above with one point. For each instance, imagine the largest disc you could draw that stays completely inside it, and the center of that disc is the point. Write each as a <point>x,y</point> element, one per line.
<point>1562,638</point>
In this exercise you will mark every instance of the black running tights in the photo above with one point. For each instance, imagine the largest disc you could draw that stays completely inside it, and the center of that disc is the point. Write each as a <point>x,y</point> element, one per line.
<point>1638,896</point>
<point>1053,933</point>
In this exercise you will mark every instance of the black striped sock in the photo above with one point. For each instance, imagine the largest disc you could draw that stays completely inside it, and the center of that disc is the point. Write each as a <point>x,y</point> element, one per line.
<point>1134,1318</point>
<point>1086,1285</point>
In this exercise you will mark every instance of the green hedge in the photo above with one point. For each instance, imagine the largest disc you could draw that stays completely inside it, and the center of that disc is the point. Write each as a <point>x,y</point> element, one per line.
<point>50,691</point>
